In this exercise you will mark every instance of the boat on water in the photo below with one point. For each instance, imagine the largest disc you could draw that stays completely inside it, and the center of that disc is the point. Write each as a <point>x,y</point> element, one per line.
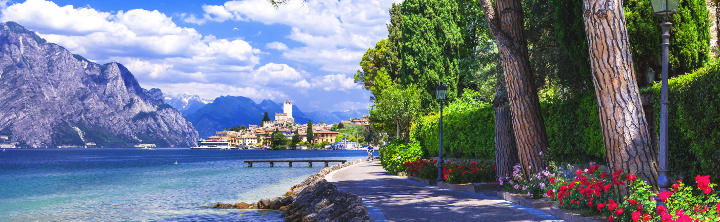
<point>213,144</point>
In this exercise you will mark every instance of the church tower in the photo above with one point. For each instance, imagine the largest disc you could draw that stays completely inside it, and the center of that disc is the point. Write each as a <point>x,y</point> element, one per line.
<point>287,108</point>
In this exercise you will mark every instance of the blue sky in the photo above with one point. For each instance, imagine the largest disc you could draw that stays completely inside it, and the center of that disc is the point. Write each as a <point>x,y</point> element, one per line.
<point>304,51</point>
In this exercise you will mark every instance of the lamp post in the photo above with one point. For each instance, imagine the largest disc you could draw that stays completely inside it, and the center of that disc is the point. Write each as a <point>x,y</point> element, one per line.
<point>440,92</point>
<point>664,9</point>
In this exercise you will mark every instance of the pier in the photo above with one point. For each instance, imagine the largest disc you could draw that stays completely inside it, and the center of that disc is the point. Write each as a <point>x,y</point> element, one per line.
<point>290,162</point>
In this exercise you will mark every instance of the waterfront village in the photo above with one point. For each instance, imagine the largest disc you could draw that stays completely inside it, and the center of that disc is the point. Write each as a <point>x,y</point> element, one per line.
<point>254,136</point>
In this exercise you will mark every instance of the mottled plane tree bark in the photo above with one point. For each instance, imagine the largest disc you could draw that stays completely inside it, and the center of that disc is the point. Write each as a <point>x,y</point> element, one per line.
<point>505,21</point>
<point>624,128</point>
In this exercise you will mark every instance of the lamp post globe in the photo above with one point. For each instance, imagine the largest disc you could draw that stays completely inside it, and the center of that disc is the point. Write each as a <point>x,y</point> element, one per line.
<point>440,93</point>
<point>664,9</point>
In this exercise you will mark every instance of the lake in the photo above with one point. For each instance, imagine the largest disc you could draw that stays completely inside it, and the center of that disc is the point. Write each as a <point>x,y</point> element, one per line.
<point>143,185</point>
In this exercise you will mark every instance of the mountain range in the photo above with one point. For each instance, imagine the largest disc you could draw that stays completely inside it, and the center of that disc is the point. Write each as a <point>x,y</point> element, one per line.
<point>50,97</point>
<point>229,111</point>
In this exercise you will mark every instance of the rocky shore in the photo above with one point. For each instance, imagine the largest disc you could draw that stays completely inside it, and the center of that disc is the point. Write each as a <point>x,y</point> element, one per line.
<point>314,199</point>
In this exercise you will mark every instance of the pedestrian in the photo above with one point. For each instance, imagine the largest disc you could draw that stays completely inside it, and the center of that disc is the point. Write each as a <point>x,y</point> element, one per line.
<point>371,157</point>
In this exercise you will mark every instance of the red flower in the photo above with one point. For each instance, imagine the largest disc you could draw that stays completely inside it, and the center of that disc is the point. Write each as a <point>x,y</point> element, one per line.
<point>632,202</point>
<point>664,195</point>
<point>702,182</point>
<point>550,193</point>
<point>646,217</point>
<point>676,185</point>
<point>666,217</point>
<point>717,208</point>
<point>639,206</point>
<point>552,180</point>
<point>603,175</point>
<point>619,211</point>
<point>661,209</point>
<point>682,217</point>
<point>592,169</point>
<point>611,205</point>
<point>635,216</point>
<point>600,206</point>
<point>631,177</point>
<point>611,218</point>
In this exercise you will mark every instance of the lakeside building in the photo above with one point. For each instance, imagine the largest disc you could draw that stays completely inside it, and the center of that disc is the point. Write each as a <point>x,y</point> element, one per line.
<point>325,136</point>
<point>284,123</point>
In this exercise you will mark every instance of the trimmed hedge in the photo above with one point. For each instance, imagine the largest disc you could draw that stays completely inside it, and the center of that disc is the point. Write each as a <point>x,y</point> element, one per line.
<point>572,125</point>
<point>573,129</point>
<point>694,121</point>
<point>468,129</point>
<point>394,155</point>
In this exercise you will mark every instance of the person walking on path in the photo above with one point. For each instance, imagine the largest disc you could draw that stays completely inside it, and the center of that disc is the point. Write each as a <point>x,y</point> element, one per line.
<point>371,157</point>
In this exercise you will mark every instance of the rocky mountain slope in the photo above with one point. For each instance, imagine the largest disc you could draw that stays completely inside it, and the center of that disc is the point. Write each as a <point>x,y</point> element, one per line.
<point>50,97</point>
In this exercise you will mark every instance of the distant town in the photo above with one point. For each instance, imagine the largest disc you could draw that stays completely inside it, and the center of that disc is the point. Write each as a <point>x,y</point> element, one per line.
<point>284,133</point>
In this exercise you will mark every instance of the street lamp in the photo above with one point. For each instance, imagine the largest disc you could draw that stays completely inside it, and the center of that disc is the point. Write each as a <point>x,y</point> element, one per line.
<point>440,92</point>
<point>664,8</point>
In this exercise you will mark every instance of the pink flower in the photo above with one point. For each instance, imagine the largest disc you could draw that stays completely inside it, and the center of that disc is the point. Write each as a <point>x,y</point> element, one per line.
<point>635,216</point>
<point>664,195</point>
<point>611,218</point>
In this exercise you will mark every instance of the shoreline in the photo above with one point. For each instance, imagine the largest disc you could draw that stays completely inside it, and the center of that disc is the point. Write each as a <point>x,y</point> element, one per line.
<point>314,199</point>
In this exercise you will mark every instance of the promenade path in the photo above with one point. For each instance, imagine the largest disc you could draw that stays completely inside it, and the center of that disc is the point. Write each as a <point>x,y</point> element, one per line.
<point>392,198</point>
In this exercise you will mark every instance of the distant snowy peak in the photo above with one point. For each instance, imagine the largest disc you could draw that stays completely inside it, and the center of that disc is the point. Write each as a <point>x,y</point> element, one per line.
<point>186,103</point>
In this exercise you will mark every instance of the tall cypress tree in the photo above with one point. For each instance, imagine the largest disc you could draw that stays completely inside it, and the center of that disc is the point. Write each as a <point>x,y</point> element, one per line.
<point>265,118</point>
<point>309,132</point>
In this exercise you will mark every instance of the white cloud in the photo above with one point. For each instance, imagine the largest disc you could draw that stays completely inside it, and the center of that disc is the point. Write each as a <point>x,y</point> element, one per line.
<point>275,73</point>
<point>335,33</point>
<point>180,59</point>
<point>214,90</point>
<point>136,33</point>
<point>335,82</point>
<point>277,46</point>
<point>149,43</point>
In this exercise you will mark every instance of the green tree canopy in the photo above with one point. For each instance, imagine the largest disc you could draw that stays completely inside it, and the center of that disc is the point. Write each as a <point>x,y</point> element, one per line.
<point>277,140</point>
<point>395,109</point>
<point>265,118</point>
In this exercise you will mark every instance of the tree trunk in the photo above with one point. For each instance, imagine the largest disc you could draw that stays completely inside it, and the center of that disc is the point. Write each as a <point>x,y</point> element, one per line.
<point>712,14</point>
<point>716,49</point>
<point>505,150</point>
<point>527,123</point>
<point>624,129</point>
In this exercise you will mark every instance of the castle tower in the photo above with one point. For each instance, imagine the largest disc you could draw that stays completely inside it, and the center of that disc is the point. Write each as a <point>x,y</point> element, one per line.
<point>287,108</point>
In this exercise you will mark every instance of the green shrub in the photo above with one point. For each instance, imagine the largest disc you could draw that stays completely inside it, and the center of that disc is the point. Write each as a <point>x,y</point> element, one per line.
<point>573,129</point>
<point>468,129</point>
<point>394,155</point>
<point>694,121</point>
<point>572,125</point>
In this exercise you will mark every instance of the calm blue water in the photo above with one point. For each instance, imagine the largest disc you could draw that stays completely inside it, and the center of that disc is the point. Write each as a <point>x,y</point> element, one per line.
<point>145,185</point>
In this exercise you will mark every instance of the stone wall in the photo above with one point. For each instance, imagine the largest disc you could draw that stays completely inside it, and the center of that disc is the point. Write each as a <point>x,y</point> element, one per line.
<point>314,199</point>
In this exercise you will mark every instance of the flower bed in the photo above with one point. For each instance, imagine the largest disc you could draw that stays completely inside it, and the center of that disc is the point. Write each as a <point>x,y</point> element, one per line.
<point>592,192</point>
<point>454,172</point>
<point>533,186</point>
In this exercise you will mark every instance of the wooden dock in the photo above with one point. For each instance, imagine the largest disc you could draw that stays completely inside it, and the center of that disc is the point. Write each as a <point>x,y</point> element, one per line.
<point>290,162</point>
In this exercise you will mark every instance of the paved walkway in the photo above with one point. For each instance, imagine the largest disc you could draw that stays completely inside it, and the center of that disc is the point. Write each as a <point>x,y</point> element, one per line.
<point>392,198</point>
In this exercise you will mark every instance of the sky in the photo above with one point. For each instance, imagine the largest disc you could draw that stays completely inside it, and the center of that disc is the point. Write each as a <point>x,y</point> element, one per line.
<point>305,51</point>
